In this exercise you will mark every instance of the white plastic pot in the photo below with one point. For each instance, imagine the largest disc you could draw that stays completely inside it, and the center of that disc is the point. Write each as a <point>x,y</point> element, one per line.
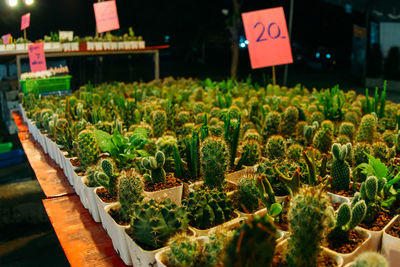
<point>235,177</point>
<point>66,46</point>
<point>2,47</point>
<point>231,224</point>
<point>56,45</point>
<point>74,46</point>
<point>174,193</point>
<point>114,45</point>
<point>100,206</point>
<point>391,245</point>
<point>142,44</point>
<point>117,234</point>
<point>20,47</point>
<point>90,46</point>
<point>98,46</point>
<point>365,246</point>
<point>47,46</point>
<point>76,180</point>
<point>88,193</point>
<point>10,47</point>
<point>121,46</point>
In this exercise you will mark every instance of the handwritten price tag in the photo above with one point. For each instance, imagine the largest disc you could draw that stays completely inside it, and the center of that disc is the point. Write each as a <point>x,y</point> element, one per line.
<point>106,16</point>
<point>6,38</point>
<point>25,21</point>
<point>268,37</point>
<point>37,59</point>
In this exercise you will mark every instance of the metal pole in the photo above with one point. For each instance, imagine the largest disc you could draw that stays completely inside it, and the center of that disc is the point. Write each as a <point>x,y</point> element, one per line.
<point>18,61</point>
<point>157,65</point>
<point>290,38</point>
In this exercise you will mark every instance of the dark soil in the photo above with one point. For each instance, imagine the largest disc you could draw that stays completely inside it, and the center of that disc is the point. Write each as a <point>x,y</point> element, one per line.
<point>335,205</point>
<point>322,261</point>
<point>342,193</point>
<point>115,214</point>
<point>103,195</point>
<point>75,162</point>
<point>170,181</point>
<point>380,222</point>
<point>346,246</point>
<point>229,187</point>
<point>283,223</point>
<point>395,229</point>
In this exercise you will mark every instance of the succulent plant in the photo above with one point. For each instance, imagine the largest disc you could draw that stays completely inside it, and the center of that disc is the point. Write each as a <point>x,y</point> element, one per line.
<point>185,251</point>
<point>88,148</point>
<point>352,117</point>
<point>340,170</point>
<point>348,129</point>
<point>130,192</point>
<point>294,152</point>
<point>272,125</point>
<point>309,212</point>
<point>251,153</point>
<point>317,116</point>
<point>214,161</point>
<point>159,118</point>
<point>323,140</point>
<point>155,166</point>
<point>248,194</point>
<point>153,223</point>
<point>389,138</point>
<point>252,134</point>
<point>107,177</point>
<point>381,151</point>
<point>208,208</point>
<point>276,147</point>
<point>370,259</point>
<point>182,118</point>
<point>370,192</point>
<point>367,129</point>
<point>360,151</point>
<point>253,244</point>
<point>289,121</point>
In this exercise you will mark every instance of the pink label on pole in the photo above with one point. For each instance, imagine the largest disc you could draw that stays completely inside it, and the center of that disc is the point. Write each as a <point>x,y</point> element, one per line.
<point>25,21</point>
<point>268,37</point>
<point>6,38</point>
<point>37,59</point>
<point>106,16</point>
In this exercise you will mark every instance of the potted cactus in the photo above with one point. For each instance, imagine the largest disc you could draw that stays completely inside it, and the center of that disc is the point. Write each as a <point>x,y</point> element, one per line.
<point>370,259</point>
<point>152,224</point>
<point>90,46</point>
<point>75,43</point>
<point>160,185</point>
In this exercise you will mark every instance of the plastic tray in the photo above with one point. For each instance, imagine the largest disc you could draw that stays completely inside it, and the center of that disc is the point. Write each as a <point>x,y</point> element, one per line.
<point>11,158</point>
<point>37,86</point>
<point>5,147</point>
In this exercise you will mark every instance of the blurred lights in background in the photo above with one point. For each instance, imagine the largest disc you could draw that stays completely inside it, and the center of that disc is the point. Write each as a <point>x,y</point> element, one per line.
<point>29,2</point>
<point>12,3</point>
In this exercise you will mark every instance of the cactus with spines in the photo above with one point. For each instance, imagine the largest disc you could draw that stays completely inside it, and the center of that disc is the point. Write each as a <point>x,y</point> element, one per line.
<point>156,167</point>
<point>370,192</point>
<point>370,259</point>
<point>272,125</point>
<point>276,147</point>
<point>182,118</point>
<point>300,129</point>
<point>214,161</point>
<point>159,119</point>
<point>199,118</point>
<point>381,151</point>
<point>294,152</point>
<point>208,208</point>
<point>340,170</point>
<point>348,129</point>
<point>248,194</point>
<point>367,129</point>
<point>289,121</point>
<point>389,138</point>
<point>198,107</point>
<point>184,251</point>
<point>250,153</point>
<point>317,116</point>
<point>234,112</point>
<point>312,108</point>
<point>248,126</point>
<point>360,151</point>
<point>153,223</point>
<point>327,124</point>
<point>108,177</point>
<point>308,133</point>
<point>252,134</point>
<point>323,140</point>
<point>309,212</point>
<point>166,144</point>
<point>347,218</point>
<point>145,126</point>
<point>105,126</point>
<point>397,142</point>
<point>253,244</point>
<point>88,148</point>
<point>352,117</point>
<point>130,192</point>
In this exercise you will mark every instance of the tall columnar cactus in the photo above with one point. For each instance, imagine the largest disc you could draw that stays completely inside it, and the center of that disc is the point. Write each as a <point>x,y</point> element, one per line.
<point>272,125</point>
<point>340,170</point>
<point>347,218</point>
<point>370,259</point>
<point>367,129</point>
<point>317,116</point>
<point>251,153</point>
<point>88,148</point>
<point>323,140</point>
<point>352,117</point>
<point>108,177</point>
<point>214,161</point>
<point>276,147</point>
<point>309,218</point>
<point>289,121</point>
<point>159,118</point>
<point>130,192</point>
<point>208,208</point>
<point>248,194</point>
<point>253,244</point>
<point>348,129</point>
<point>153,223</point>
<point>327,124</point>
<point>155,166</point>
<point>370,192</point>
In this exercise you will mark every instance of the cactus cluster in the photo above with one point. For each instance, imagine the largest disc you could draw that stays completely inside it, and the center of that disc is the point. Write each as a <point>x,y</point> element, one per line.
<point>108,177</point>
<point>370,259</point>
<point>348,129</point>
<point>340,170</point>
<point>323,140</point>
<point>381,151</point>
<point>295,152</point>
<point>88,148</point>
<point>130,192</point>
<point>276,147</point>
<point>360,151</point>
<point>159,119</point>
<point>208,208</point>
<point>155,166</point>
<point>248,194</point>
<point>153,223</point>
<point>251,153</point>
<point>367,129</point>
<point>272,125</point>
<point>370,192</point>
<point>289,121</point>
<point>214,161</point>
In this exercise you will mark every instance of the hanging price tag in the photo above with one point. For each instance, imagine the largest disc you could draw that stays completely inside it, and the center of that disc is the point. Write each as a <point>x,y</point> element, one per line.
<point>106,16</point>
<point>25,21</point>
<point>268,37</point>
<point>37,59</point>
<point>6,38</point>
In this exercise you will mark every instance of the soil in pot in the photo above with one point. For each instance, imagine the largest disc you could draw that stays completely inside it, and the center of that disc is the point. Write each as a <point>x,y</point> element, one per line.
<point>344,246</point>
<point>335,206</point>
<point>282,223</point>
<point>170,181</point>
<point>381,221</point>
<point>75,162</point>
<point>395,229</point>
<point>322,261</point>
<point>105,197</point>
<point>343,193</point>
<point>115,214</point>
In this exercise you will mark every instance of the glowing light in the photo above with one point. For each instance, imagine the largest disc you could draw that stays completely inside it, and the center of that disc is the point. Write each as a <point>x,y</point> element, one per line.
<point>317,55</point>
<point>12,3</point>
<point>246,42</point>
<point>29,2</point>
<point>328,56</point>
<point>242,45</point>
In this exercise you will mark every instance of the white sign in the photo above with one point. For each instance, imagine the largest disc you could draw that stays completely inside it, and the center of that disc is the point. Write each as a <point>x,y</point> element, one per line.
<point>66,35</point>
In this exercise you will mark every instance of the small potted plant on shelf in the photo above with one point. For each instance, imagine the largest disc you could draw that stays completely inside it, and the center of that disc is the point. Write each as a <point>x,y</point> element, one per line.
<point>120,43</point>
<point>55,41</point>
<point>20,44</point>
<point>98,43</point>
<point>90,43</point>
<point>65,44</point>
<point>152,224</point>
<point>75,43</point>
<point>10,46</point>
<point>141,42</point>
<point>2,45</point>
<point>370,259</point>
<point>47,43</point>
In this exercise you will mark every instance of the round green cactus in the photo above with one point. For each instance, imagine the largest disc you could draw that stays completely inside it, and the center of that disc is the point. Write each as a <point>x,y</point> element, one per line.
<point>367,129</point>
<point>323,140</point>
<point>348,129</point>
<point>130,192</point>
<point>381,151</point>
<point>370,259</point>
<point>155,166</point>
<point>184,251</point>
<point>276,147</point>
<point>272,125</point>
<point>340,170</point>
<point>360,151</point>
<point>198,107</point>
<point>389,138</point>
<point>248,194</point>
<point>352,117</point>
<point>252,134</point>
<point>214,161</point>
<point>317,116</point>
<point>88,148</point>
<point>289,121</point>
<point>182,118</point>
<point>295,152</point>
<point>327,124</point>
<point>159,122</point>
<point>251,153</point>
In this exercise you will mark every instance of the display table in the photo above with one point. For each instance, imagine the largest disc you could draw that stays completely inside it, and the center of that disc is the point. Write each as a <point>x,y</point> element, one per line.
<point>85,242</point>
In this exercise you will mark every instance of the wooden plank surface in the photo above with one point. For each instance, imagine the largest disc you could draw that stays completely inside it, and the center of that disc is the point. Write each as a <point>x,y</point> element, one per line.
<point>84,241</point>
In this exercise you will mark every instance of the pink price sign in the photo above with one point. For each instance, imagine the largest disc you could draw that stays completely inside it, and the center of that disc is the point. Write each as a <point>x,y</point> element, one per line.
<point>25,21</point>
<point>106,16</point>
<point>268,37</point>
<point>6,38</point>
<point>37,59</point>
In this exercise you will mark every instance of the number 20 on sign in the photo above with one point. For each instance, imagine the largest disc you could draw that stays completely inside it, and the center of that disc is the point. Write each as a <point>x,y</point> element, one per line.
<point>268,37</point>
